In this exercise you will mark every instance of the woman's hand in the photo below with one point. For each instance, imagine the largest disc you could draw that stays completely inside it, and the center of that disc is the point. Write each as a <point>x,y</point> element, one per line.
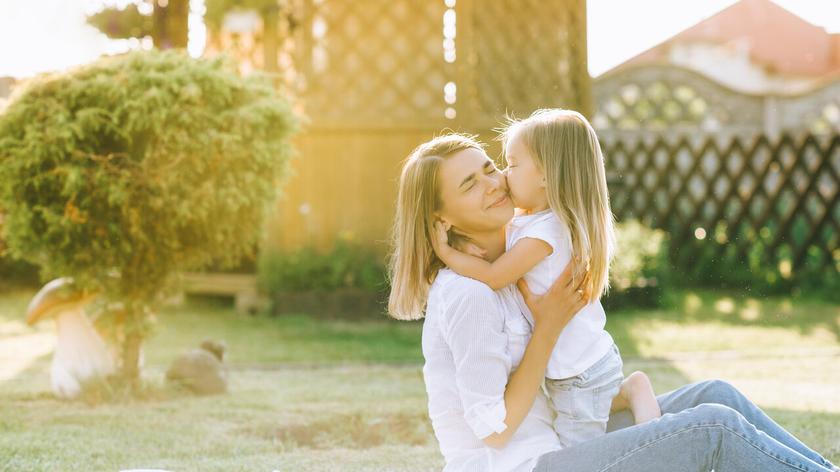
<point>553,310</point>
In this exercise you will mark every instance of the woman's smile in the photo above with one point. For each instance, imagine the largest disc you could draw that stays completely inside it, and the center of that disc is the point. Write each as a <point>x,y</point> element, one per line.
<point>501,201</point>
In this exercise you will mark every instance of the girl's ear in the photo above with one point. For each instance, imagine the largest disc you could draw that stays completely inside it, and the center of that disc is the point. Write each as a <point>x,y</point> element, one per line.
<point>542,182</point>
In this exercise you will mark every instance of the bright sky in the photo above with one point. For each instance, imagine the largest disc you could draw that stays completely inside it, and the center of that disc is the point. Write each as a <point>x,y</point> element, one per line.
<point>42,35</point>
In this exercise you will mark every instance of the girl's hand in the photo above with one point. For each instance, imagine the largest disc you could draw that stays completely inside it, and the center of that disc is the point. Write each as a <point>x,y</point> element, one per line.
<point>440,239</point>
<point>555,308</point>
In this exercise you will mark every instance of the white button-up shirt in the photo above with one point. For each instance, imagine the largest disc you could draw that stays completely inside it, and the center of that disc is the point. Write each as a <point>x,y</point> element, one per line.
<point>473,338</point>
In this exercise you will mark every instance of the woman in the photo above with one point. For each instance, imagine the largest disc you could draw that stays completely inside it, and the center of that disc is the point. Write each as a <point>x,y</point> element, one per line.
<point>484,367</point>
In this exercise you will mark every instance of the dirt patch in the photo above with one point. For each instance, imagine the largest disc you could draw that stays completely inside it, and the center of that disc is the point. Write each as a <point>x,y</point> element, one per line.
<point>355,431</point>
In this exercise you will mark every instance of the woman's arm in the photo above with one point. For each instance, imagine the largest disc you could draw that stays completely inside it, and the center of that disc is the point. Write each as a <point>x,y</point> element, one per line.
<point>507,269</point>
<point>495,401</point>
<point>552,312</point>
<point>523,386</point>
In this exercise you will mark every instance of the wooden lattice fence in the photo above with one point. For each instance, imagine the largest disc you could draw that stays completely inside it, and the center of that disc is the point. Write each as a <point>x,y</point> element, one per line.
<point>375,78</point>
<point>739,201</point>
<point>362,66</point>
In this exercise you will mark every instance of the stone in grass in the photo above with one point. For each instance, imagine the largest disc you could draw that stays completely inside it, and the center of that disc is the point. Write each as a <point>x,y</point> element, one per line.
<point>200,370</point>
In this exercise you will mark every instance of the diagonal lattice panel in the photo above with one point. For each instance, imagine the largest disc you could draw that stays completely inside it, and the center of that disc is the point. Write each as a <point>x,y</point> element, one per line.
<point>365,64</point>
<point>526,55</point>
<point>782,194</point>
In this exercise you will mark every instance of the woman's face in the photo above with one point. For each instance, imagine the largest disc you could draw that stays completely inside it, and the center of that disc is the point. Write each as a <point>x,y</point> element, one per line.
<point>473,192</point>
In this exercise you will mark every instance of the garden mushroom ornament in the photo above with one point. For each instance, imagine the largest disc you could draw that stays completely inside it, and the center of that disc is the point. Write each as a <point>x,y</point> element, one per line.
<point>81,354</point>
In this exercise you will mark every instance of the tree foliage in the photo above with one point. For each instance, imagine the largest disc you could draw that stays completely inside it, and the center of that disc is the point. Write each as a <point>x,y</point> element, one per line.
<point>166,22</point>
<point>123,23</point>
<point>127,171</point>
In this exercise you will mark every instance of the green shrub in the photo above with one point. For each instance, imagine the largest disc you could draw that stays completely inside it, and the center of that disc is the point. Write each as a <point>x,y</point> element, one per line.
<point>641,256</point>
<point>637,276</point>
<point>126,171</point>
<point>346,265</point>
<point>14,272</point>
<point>717,262</point>
<point>640,269</point>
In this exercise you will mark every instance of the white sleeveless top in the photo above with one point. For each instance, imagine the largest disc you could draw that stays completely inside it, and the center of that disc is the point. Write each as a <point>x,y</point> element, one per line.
<point>584,340</point>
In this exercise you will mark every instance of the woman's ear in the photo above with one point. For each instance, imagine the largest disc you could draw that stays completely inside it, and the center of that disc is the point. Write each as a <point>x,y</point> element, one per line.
<point>443,220</point>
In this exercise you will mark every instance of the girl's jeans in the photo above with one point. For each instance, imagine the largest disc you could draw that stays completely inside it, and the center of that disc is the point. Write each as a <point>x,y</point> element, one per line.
<point>704,426</point>
<point>582,403</point>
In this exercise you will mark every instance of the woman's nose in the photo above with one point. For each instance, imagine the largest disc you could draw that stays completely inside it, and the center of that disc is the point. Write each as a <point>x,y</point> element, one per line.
<point>496,182</point>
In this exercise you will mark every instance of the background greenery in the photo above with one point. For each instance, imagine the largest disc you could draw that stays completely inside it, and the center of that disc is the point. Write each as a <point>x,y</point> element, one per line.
<point>639,273</point>
<point>762,271</point>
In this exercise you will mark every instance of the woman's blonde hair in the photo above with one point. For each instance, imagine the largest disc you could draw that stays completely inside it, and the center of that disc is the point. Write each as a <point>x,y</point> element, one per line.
<point>567,151</point>
<point>413,264</point>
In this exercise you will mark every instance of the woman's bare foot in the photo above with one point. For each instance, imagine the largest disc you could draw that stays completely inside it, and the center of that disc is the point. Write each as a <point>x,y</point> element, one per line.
<point>637,392</point>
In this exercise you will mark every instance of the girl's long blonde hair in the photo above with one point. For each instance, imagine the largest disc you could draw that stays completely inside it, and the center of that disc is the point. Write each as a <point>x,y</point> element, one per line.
<point>567,151</point>
<point>413,264</point>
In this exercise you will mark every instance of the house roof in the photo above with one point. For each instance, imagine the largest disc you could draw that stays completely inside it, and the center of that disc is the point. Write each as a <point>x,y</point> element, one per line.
<point>781,41</point>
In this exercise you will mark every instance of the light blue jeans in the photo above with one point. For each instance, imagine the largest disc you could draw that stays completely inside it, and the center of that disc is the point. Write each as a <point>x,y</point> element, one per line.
<point>582,402</point>
<point>704,426</point>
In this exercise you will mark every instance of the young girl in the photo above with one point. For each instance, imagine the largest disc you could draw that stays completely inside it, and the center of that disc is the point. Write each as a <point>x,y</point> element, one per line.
<point>556,178</point>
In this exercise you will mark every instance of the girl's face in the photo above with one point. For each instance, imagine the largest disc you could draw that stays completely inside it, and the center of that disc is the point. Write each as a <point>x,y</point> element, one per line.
<point>526,181</point>
<point>473,193</point>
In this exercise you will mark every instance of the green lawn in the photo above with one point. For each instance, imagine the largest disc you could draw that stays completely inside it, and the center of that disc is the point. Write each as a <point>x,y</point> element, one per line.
<point>309,394</point>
